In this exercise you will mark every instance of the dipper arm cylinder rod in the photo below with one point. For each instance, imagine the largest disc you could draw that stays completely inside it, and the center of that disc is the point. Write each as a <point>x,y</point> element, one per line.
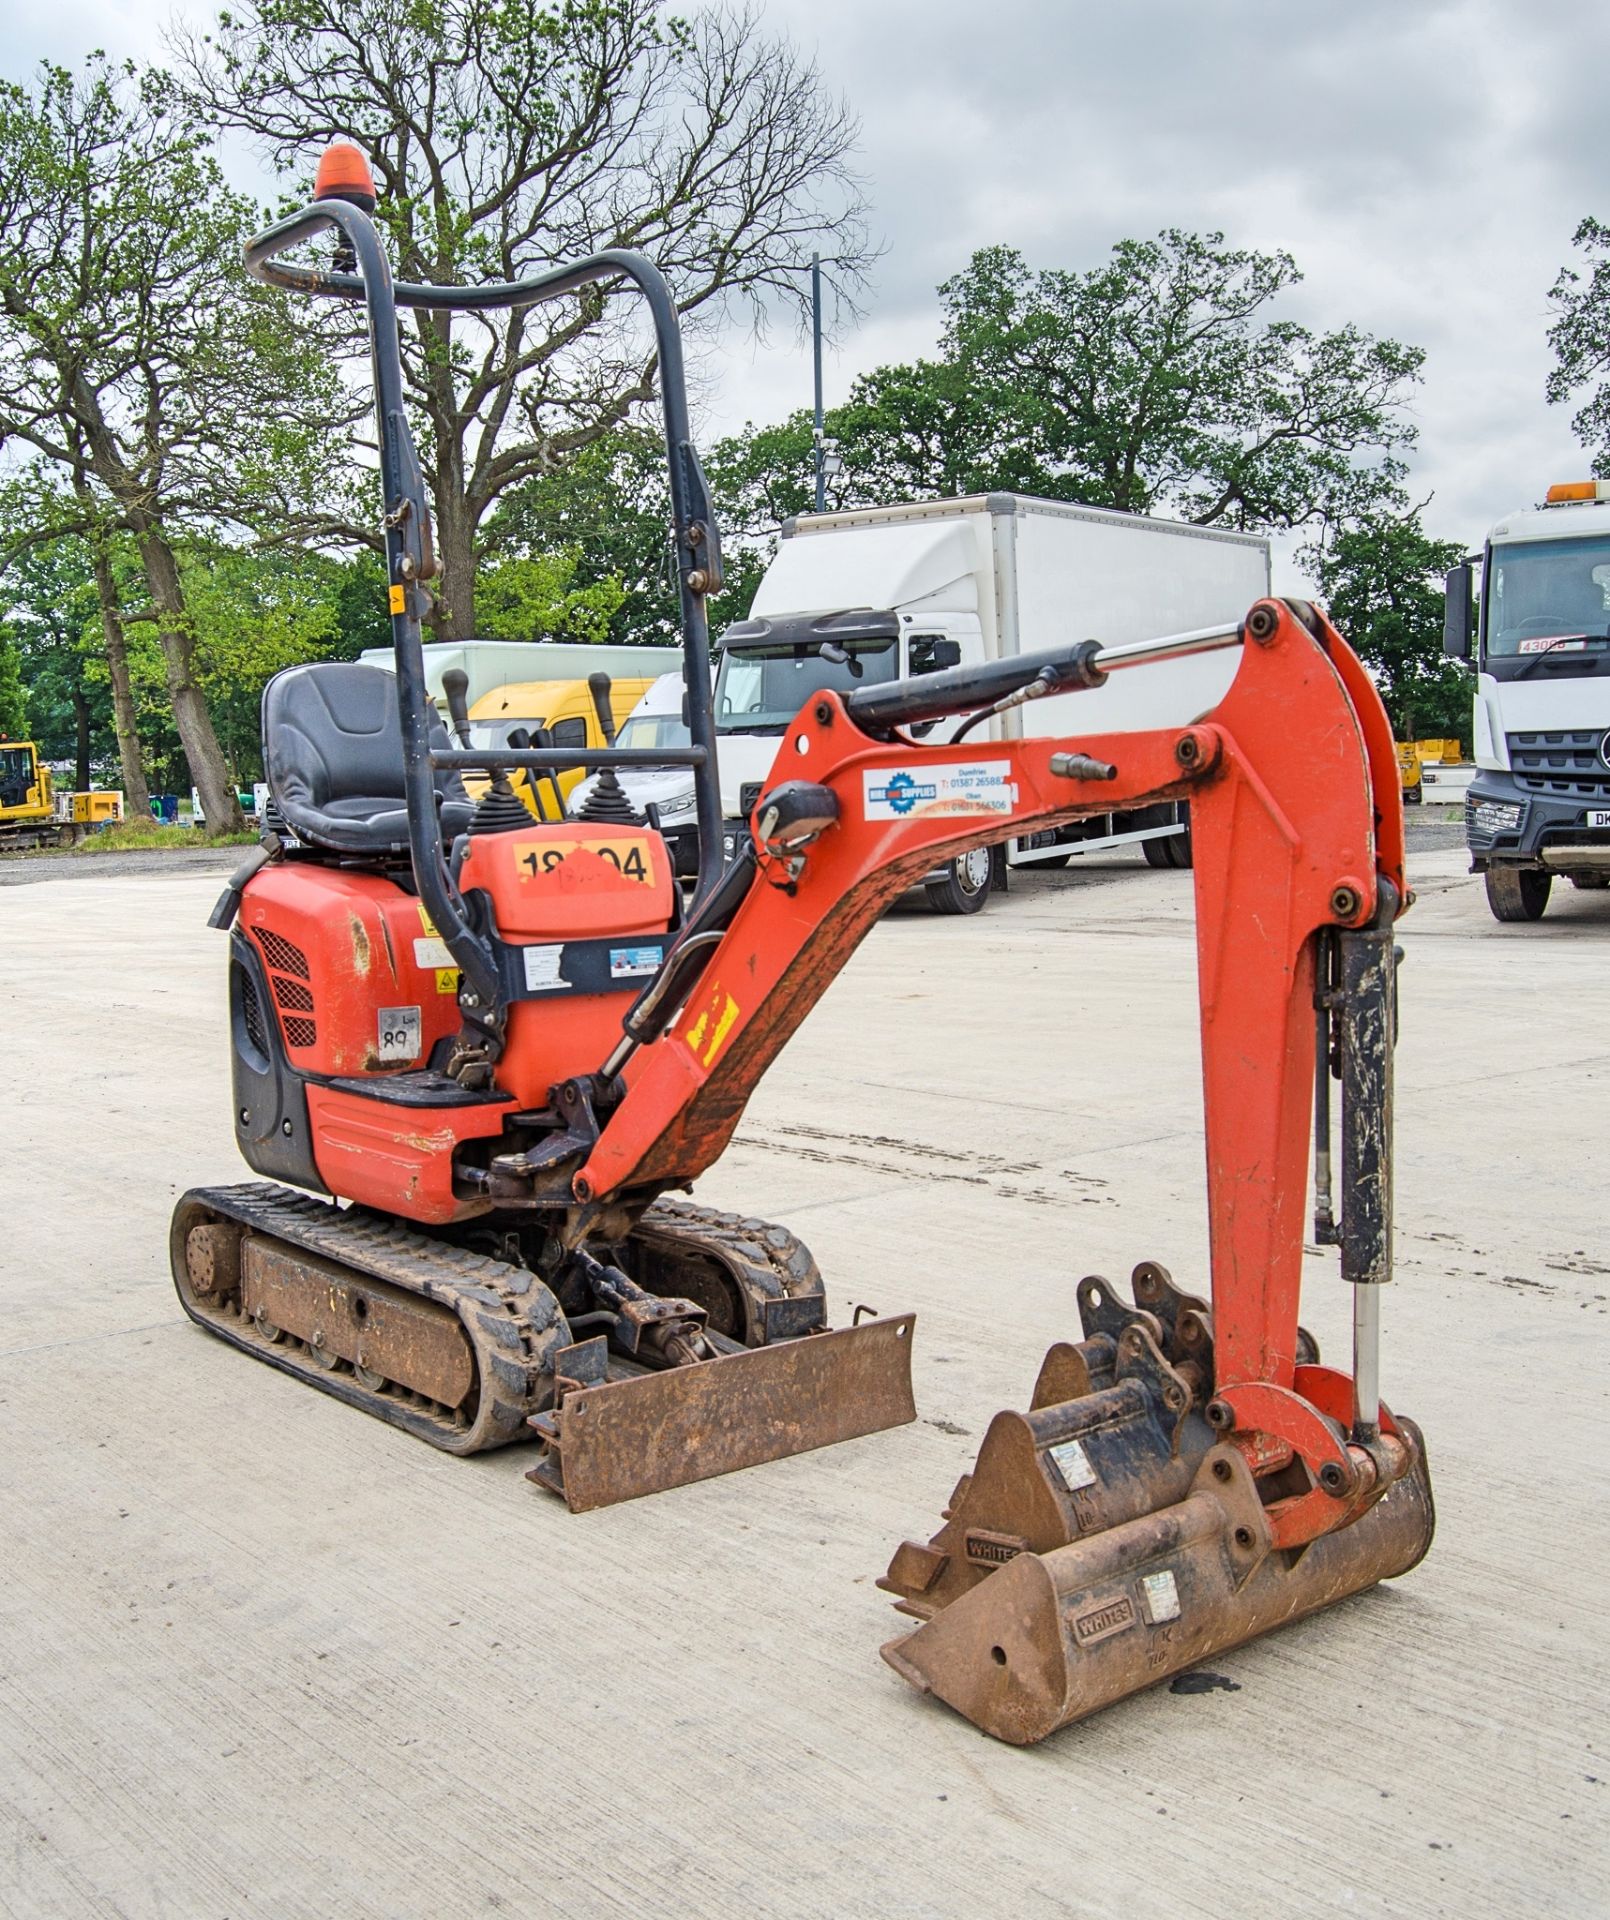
<point>1168,646</point>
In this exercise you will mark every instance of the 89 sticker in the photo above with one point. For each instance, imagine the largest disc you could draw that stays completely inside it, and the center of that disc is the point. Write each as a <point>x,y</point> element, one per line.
<point>398,1035</point>
<point>533,858</point>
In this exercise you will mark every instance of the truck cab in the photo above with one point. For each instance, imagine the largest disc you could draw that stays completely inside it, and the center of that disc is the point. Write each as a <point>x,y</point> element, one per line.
<point>1538,635</point>
<point>565,710</point>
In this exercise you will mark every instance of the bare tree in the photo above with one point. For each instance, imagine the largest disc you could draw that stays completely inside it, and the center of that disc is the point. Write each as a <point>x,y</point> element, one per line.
<point>508,134</point>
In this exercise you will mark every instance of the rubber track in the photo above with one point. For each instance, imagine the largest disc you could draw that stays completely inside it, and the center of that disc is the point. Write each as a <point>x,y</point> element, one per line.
<point>512,1320</point>
<point>765,1260</point>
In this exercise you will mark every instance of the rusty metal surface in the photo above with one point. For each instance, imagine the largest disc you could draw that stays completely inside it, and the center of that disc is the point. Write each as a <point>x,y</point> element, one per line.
<point>1046,1478</point>
<point>213,1254</point>
<point>1115,1430</point>
<point>1052,1638</point>
<point>630,1437</point>
<point>411,1342</point>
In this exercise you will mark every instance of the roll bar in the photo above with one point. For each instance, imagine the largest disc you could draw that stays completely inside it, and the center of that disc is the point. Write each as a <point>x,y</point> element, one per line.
<point>410,560</point>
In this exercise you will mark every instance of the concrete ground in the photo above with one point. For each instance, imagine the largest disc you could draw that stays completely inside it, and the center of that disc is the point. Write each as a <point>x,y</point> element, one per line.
<point>259,1654</point>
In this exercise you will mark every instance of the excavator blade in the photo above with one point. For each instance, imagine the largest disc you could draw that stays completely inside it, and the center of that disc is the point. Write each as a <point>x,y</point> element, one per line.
<point>1049,1638</point>
<point>623,1438</point>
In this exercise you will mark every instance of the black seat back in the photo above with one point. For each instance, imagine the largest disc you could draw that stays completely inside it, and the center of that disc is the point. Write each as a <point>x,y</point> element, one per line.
<point>333,756</point>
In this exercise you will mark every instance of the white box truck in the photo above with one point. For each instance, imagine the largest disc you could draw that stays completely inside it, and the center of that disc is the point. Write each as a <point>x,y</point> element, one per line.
<point>1539,806</point>
<point>885,592</point>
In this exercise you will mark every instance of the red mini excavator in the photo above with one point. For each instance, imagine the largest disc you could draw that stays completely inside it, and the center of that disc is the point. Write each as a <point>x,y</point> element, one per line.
<point>503,1044</point>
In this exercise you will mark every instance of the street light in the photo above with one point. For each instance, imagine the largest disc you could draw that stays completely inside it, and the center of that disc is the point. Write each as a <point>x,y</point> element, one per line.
<point>818,443</point>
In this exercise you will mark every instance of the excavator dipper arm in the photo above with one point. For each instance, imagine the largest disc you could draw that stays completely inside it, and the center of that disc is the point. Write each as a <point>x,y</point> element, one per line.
<point>1297,833</point>
<point>1211,1423</point>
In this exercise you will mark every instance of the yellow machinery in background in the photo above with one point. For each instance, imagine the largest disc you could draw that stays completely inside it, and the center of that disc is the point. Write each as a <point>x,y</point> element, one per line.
<point>1409,768</point>
<point>569,713</point>
<point>33,814</point>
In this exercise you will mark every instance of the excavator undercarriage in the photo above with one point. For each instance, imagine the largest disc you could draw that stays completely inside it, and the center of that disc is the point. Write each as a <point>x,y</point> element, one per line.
<point>463,1344</point>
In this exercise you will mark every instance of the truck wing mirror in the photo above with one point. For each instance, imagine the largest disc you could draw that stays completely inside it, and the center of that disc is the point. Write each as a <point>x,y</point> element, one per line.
<point>1459,621</point>
<point>935,656</point>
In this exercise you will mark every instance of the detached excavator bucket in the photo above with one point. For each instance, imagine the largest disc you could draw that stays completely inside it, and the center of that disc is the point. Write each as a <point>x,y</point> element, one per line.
<point>621,1438</point>
<point>1050,1638</point>
<point>1106,1539</point>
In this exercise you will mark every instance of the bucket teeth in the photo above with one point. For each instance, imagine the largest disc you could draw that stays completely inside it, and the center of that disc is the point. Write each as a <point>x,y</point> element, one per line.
<point>1054,1636</point>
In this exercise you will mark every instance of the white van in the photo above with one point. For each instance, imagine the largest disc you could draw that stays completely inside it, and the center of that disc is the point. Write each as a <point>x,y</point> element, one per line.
<point>657,721</point>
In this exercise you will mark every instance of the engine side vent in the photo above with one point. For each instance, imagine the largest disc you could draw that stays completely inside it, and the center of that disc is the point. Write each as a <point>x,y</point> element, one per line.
<point>289,971</point>
<point>251,1013</point>
<point>292,995</point>
<point>283,955</point>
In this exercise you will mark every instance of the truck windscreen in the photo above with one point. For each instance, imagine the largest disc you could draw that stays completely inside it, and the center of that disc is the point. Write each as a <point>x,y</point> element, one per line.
<point>761,691</point>
<point>1548,597</point>
<point>653,730</point>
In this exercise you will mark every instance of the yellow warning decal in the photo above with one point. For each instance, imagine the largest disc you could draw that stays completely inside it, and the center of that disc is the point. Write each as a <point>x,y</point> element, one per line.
<point>399,599</point>
<point>708,1032</point>
<point>629,858</point>
<point>447,979</point>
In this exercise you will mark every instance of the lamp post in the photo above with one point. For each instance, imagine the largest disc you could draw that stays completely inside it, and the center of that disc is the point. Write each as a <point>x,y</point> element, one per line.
<point>819,445</point>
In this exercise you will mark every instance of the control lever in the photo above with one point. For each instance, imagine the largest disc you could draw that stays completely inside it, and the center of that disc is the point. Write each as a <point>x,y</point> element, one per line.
<point>598,685</point>
<point>456,687</point>
<point>539,736</point>
<point>501,803</point>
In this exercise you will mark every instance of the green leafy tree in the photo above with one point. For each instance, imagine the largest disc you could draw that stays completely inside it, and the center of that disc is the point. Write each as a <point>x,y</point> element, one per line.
<point>605,516</point>
<point>538,598</point>
<point>50,603</point>
<point>14,722</point>
<point>56,566</point>
<point>1155,383</point>
<point>1580,338</point>
<point>506,135</point>
<point>135,356</point>
<point>1381,579</point>
<point>254,613</point>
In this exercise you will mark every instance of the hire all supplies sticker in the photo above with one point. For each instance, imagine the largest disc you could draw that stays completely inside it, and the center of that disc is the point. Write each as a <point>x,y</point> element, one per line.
<point>959,790</point>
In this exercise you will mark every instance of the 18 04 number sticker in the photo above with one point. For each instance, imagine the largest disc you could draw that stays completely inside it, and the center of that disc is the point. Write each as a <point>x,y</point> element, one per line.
<point>533,858</point>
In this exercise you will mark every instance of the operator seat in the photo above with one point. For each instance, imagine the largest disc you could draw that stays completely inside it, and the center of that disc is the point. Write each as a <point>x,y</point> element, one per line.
<point>333,754</point>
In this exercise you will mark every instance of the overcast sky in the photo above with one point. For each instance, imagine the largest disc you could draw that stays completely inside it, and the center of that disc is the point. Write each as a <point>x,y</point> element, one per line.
<point>1426,164</point>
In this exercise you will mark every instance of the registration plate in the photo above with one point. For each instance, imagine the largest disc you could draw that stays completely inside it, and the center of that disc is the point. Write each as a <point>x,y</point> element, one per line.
<point>1597,817</point>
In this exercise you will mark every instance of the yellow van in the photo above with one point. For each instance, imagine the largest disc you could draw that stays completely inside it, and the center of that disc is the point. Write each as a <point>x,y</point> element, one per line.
<point>565,708</point>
